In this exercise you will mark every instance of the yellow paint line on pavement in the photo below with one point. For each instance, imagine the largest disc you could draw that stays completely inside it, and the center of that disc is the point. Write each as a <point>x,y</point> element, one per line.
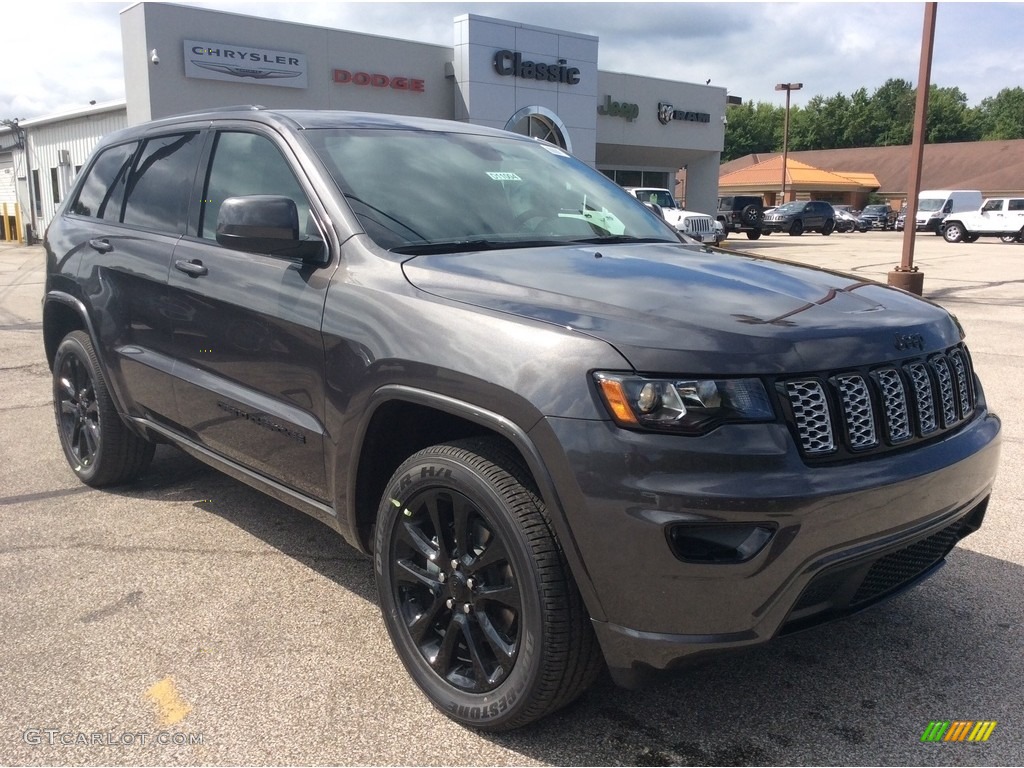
<point>171,709</point>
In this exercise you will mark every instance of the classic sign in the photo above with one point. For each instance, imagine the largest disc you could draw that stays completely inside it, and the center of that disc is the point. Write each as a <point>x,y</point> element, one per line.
<point>510,63</point>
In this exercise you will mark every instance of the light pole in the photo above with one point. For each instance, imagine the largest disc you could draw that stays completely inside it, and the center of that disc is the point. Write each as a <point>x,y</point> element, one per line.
<point>906,275</point>
<point>788,88</point>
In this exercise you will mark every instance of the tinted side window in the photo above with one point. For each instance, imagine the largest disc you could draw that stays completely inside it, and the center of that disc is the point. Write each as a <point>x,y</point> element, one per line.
<point>248,164</point>
<point>102,190</point>
<point>1016,204</point>
<point>160,183</point>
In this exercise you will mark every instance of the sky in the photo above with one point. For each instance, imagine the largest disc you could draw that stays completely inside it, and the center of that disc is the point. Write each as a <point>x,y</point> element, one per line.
<point>58,56</point>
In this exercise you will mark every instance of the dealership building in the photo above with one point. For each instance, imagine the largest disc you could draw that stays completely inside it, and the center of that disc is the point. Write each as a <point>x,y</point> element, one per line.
<point>541,82</point>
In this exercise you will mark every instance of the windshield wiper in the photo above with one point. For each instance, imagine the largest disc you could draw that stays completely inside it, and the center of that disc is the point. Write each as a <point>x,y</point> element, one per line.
<point>466,246</point>
<point>614,239</point>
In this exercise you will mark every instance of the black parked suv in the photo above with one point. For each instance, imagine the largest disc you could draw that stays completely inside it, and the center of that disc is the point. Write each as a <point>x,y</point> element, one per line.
<point>741,213</point>
<point>566,437</point>
<point>801,216</point>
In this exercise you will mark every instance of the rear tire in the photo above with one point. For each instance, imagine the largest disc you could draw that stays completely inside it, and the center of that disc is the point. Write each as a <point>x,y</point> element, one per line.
<point>475,591</point>
<point>828,228</point>
<point>99,446</point>
<point>753,234</point>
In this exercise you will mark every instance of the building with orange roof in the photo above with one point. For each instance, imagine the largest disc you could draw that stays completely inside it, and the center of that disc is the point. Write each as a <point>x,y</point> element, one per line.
<point>803,182</point>
<point>994,167</point>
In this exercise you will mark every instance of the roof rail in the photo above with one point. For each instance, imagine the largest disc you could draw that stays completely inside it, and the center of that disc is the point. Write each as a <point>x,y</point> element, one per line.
<point>232,108</point>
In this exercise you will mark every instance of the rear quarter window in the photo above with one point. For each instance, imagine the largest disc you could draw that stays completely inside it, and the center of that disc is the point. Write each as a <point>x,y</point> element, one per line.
<point>102,190</point>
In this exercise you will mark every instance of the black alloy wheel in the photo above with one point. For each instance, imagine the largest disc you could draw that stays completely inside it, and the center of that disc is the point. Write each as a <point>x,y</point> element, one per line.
<point>98,446</point>
<point>830,225</point>
<point>78,413</point>
<point>474,590</point>
<point>797,229</point>
<point>456,589</point>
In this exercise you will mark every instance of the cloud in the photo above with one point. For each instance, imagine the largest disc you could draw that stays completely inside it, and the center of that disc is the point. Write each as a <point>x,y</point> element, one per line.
<point>744,47</point>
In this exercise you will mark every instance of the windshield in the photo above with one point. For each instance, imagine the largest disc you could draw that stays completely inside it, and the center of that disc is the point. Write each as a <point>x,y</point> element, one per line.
<point>424,191</point>
<point>930,203</point>
<point>793,207</point>
<point>660,197</point>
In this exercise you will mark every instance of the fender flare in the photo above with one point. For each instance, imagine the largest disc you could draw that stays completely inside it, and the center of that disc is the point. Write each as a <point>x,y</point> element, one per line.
<point>79,308</point>
<point>511,432</point>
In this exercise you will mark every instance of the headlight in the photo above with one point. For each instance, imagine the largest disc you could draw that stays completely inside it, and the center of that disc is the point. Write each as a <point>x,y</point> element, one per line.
<point>684,406</point>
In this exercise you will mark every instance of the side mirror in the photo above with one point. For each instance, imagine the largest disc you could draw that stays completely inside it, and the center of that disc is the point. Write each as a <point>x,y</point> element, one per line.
<point>656,208</point>
<point>267,224</point>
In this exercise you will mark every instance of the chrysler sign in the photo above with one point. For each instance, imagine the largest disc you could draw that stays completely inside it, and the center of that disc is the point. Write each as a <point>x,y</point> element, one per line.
<point>243,63</point>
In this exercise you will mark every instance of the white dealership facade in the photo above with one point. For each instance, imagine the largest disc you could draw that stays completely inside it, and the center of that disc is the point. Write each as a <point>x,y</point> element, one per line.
<point>637,129</point>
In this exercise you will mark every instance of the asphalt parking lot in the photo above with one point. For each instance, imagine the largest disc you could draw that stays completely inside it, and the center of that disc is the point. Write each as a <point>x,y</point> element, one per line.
<point>190,620</point>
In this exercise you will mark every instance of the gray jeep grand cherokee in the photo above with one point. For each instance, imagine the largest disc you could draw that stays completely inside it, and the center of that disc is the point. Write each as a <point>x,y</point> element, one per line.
<point>566,437</point>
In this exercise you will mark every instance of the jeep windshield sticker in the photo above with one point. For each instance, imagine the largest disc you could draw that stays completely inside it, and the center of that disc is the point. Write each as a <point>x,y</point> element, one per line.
<point>503,176</point>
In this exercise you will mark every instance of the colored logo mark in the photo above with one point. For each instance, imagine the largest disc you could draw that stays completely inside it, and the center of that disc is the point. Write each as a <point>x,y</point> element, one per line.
<point>958,730</point>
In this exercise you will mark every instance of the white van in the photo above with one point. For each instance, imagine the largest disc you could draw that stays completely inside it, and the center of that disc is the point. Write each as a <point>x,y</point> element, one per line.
<point>933,205</point>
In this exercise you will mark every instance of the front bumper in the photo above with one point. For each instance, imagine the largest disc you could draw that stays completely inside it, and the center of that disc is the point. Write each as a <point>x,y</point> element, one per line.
<point>846,536</point>
<point>777,226</point>
<point>712,238</point>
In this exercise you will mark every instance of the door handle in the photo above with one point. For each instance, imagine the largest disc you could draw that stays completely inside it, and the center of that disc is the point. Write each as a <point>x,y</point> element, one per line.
<point>192,268</point>
<point>101,245</point>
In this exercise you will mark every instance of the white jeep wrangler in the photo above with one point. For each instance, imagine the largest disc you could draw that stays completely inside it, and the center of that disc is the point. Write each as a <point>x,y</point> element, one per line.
<point>1001,217</point>
<point>699,226</point>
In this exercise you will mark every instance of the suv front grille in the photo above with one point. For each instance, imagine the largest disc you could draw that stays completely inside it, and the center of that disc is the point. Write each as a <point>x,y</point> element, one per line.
<point>840,414</point>
<point>702,225</point>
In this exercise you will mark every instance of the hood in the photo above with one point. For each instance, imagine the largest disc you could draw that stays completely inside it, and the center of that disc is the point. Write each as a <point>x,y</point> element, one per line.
<point>679,309</point>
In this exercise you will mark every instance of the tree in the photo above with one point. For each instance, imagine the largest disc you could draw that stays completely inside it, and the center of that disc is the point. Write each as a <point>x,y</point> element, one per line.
<point>752,129</point>
<point>893,107</point>
<point>859,130</point>
<point>885,118</point>
<point>948,117</point>
<point>1001,117</point>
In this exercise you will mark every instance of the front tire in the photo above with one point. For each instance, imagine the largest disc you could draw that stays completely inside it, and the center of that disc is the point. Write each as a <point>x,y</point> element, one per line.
<point>953,232</point>
<point>475,591</point>
<point>99,447</point>
<point>797,229</point>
